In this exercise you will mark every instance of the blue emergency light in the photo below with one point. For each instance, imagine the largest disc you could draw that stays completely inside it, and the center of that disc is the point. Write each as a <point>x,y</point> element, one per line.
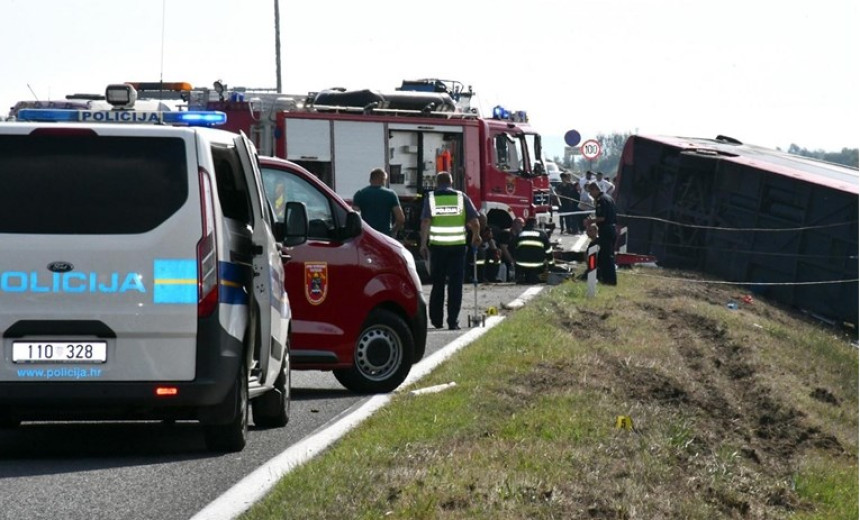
<point>189,118</point>
<point>500,112</point>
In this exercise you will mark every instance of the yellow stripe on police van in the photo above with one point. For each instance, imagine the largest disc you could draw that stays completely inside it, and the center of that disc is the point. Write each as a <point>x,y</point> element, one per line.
<point>175,281</point>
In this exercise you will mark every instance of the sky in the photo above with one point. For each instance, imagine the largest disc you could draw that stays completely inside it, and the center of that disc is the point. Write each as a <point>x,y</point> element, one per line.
<point>764,72</point>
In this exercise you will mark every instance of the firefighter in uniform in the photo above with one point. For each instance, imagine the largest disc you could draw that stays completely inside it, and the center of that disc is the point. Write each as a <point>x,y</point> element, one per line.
<point>532,253</point>
<point>444,218</point>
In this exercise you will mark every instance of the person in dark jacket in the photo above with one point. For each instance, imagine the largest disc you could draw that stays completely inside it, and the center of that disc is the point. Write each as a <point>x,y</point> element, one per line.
<point>532,253</point>
<point>605,217</point>
<point>568,200</point>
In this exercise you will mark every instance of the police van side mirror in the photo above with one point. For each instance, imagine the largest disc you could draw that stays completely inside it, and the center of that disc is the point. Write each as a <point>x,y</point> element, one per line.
<point>293,230</point>
<point>352,227</point>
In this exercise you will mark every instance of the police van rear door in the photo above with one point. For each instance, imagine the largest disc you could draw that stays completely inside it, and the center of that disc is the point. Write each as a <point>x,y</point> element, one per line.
<point>98,234</point>
<point>269,290</point>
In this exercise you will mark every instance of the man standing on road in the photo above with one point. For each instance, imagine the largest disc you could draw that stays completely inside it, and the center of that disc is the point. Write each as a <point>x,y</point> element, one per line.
<point>378,204</point>
<point>568,199</point>
<point>585,201</point>
<point>446,214</point>
<point>605,218</point>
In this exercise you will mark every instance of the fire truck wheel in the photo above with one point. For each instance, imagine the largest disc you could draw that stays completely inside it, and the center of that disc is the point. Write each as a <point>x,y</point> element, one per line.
<point>231,435</point>
<point>383,355</point>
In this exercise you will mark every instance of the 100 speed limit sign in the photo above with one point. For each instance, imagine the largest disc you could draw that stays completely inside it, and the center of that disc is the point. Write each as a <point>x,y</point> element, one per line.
<point>590,149</point>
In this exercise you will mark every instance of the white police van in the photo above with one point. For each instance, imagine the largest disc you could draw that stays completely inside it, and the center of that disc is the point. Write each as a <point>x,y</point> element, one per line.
<point>140,272</point>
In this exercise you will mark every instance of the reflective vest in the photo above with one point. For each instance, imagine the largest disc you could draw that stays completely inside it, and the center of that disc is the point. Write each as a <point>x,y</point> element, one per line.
<point>530,251</point>
<point>447,219</point>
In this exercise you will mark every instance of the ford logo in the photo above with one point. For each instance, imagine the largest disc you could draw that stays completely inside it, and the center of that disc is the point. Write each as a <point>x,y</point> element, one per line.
<point>60,267</point>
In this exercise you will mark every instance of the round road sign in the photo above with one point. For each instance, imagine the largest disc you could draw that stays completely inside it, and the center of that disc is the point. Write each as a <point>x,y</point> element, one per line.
<point>590,149</point>
<point>572,138</point>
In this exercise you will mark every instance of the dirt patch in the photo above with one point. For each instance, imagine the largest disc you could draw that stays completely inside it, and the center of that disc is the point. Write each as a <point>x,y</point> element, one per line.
<point>825,396</point>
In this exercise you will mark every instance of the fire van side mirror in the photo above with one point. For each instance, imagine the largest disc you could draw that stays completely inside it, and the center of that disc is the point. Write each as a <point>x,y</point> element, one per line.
<point>352,227</point>
<point>293,230</point>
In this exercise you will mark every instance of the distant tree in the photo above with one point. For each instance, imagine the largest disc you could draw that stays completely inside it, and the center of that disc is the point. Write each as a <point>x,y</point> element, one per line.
<point>611,146</point>
<point>847,157</point>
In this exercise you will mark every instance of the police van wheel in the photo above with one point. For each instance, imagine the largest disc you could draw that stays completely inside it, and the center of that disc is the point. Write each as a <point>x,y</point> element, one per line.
<point>231,436</point>
<point>383,355</point>
<point>272,409</point>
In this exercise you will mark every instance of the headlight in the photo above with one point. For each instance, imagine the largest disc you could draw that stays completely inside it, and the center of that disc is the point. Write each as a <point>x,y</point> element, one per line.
<point>413,270</point>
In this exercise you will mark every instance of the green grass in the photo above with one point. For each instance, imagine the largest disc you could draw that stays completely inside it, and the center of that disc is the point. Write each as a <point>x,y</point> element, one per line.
<point>737,414</point>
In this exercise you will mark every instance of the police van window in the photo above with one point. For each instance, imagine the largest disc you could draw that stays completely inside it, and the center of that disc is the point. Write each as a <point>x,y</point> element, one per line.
<point>87,184</point>
<point>282,187</point>
<point>232,192</point>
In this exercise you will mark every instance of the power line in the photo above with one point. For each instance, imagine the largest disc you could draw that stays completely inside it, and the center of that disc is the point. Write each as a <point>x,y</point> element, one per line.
<point>749,251</point>
<point>804,228</point>
<point>721,282</point>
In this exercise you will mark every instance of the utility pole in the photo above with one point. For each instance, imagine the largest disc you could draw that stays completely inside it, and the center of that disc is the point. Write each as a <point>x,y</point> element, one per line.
<point>278,44</point>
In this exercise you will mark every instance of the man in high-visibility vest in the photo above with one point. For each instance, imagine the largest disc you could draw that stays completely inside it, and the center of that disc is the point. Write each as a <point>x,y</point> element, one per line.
<point>446,214</point>
<point>532,253</point>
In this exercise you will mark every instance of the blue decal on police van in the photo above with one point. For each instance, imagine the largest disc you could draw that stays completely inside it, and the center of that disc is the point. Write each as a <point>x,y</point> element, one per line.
<point>174,281</point>
<point>232,278</point>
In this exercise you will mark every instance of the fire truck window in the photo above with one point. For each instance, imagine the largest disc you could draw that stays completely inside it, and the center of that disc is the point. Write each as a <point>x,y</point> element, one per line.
<point>282,187</point>
<point>508,156</point>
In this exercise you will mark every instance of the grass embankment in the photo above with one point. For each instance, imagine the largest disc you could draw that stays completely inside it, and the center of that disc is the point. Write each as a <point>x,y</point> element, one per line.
<point>748,413</point>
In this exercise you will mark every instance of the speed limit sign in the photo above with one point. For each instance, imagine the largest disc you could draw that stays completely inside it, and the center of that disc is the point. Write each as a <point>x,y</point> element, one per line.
<point>590,149</point>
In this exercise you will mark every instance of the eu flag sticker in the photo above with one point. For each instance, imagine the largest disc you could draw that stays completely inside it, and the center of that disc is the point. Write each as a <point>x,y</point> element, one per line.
<point>175,281</point>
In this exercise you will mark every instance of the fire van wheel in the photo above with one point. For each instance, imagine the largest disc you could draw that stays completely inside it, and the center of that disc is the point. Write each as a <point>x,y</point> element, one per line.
<point>231,436</point>
<point>383,355</point>
<point>272,409</point>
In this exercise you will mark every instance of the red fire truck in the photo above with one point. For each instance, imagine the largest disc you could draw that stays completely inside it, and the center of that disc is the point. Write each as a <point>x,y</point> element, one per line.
<point>423,127</point>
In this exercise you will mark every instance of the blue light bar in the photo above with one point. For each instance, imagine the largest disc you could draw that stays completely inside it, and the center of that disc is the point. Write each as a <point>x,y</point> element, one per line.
<point>196,118</point>
<point>190,118</point>
<point>499,112</point>
<point>44,114</point>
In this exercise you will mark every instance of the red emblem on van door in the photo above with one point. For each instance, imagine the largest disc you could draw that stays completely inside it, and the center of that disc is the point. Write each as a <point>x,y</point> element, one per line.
<point>316,282</point>
<point>510,184</point>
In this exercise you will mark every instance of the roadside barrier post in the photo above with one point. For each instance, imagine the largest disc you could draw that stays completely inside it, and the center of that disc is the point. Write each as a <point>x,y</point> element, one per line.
<point>591,263</point>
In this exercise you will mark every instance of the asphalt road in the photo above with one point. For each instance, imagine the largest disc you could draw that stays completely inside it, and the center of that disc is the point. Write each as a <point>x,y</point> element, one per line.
<point>130,471</point>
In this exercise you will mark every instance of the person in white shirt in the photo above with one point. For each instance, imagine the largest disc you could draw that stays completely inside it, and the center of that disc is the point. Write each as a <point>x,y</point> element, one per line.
<point>606,186</point>
<point>585,201</point>
<point>583,181</point>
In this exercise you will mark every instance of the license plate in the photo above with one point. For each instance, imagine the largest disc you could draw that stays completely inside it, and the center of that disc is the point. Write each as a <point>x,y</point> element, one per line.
<point>59,351</point>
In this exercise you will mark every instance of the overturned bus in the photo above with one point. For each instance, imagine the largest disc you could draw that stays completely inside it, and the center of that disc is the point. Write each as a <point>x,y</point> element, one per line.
<point>784,226</point>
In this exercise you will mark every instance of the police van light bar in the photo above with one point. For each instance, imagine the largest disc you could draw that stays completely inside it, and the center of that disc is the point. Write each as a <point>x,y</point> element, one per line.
<point>189,118</point>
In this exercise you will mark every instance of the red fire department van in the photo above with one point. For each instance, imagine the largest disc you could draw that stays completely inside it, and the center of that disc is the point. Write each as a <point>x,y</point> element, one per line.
<point>358,308</point>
